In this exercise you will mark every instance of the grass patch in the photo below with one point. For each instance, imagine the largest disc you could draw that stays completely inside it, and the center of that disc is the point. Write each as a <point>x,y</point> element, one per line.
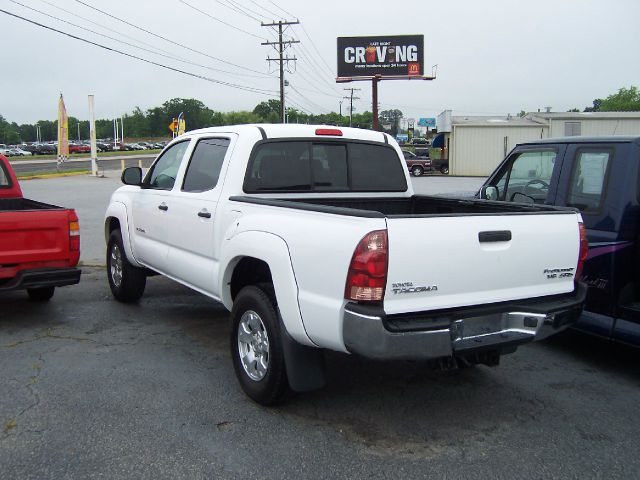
<point>51,174</point>
<point>86,155</point>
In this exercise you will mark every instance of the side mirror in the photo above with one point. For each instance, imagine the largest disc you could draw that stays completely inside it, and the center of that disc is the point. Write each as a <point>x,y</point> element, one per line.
<point>489,192</point>
<point>132,176</point>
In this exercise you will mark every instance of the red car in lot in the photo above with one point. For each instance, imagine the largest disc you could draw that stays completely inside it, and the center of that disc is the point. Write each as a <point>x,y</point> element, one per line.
<point>79,148</point>
<point>39,243</point>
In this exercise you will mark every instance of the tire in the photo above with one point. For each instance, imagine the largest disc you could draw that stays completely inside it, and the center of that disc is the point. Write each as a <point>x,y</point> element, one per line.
<point>256,347</point>
<point>416,171</point>
<point>41,294</point>
<point>444,169</point>
<point>126,281</point>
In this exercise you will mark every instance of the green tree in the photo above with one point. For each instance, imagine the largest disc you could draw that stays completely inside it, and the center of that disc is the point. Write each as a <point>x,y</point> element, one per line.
<point>8,132</point>
<point>391,117</point>
<point>269,110</point>
<point>625,100</point>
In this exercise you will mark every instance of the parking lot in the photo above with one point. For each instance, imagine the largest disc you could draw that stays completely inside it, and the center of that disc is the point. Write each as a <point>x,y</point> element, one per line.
<point>96,389</point>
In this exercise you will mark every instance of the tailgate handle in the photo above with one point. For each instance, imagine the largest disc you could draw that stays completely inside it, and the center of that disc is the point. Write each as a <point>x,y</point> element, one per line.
<point>495,236</point>
<point>163,207</point>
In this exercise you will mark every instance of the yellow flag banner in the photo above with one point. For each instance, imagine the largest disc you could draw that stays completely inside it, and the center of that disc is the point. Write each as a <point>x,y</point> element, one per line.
<point>63,132</point>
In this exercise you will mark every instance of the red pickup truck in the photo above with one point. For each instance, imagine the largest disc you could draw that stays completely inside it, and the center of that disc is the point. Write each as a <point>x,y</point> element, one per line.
<point>39,243</point>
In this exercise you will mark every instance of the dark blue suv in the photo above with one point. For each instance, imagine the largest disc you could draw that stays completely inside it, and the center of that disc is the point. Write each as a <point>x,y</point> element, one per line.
<point>599,176</point>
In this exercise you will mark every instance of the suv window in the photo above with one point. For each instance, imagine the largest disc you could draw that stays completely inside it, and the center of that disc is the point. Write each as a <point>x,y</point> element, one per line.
<point>205,165</point>
<point>587,183</point>
<point>162,174</point>
<point>295,166</point>
<point>528,177</point>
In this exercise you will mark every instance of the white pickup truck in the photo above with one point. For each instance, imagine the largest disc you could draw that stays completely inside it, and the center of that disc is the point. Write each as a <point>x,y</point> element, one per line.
<point>307,235</point>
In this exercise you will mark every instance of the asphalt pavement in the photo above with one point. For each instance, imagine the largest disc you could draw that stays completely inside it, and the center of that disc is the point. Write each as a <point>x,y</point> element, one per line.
<point>92,388</point>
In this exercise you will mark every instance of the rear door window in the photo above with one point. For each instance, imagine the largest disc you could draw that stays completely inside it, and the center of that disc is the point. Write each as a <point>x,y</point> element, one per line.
<point>588,179</point>
<point>205,165</point>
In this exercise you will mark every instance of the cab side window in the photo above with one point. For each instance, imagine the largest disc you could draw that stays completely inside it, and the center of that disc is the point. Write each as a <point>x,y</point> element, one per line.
<point>528,177</point>
<point>4,178</point>
<point>162,175</point>
<point>205,165</point>
<point>588,179</point>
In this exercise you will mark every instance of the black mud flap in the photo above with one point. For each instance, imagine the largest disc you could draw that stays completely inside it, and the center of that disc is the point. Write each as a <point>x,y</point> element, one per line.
<point>305,365</point>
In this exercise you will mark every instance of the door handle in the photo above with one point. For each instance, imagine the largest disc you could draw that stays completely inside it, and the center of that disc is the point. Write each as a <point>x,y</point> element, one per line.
<point>163,207</point>
<point>204,214</point>
<point>495,236</point>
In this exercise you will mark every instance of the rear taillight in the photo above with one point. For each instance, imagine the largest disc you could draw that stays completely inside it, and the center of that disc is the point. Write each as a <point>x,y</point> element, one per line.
<point>367,276</point>
<point>584,250</point>
<point>74,232</point>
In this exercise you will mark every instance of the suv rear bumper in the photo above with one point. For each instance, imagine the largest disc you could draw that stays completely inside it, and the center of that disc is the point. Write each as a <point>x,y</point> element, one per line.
<point>368,332</point>
<point>45,277</point>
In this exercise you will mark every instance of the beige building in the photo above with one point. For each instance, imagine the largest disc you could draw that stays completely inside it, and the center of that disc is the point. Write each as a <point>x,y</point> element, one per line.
<point>476,145</point>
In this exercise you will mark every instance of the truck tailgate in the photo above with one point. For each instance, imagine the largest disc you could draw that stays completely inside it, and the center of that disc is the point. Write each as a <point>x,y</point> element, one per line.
<point>33,236</point>
<point>440,262</point>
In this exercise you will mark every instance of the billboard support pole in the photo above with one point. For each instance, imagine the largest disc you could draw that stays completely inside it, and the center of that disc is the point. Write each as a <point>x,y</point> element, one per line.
<point>374,101</point>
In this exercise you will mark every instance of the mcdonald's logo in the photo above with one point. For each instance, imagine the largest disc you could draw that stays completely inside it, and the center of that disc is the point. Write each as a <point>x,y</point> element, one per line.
<point>414,68</point>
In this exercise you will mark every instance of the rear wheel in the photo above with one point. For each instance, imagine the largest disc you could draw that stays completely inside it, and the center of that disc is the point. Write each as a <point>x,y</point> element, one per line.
<point>416,171</point>
<point>444,169</point>
<point>41,294</point>
<point>256,347</point>
<point>126,281</point>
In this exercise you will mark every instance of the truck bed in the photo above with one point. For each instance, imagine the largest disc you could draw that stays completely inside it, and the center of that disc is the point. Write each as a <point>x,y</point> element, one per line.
<point>22,204</point>
<point>416,206</point>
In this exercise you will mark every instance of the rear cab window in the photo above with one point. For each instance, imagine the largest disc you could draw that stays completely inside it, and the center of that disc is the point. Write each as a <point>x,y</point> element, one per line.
<point>301,165</point>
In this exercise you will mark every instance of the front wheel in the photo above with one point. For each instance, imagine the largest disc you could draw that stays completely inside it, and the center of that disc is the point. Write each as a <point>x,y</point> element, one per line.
<point>444,169</point>
<point>41,294</point>
<point>256,347</point>
<point>416,171</point>
<point>127,282</point>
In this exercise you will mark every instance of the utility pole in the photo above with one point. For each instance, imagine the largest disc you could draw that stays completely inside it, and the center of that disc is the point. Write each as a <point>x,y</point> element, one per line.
<point>281,46</point>
<point>351,98</point>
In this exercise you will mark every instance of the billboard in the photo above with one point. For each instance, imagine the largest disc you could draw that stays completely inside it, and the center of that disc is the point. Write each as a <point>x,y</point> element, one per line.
<point>427,122</point>
<point>387,56</point>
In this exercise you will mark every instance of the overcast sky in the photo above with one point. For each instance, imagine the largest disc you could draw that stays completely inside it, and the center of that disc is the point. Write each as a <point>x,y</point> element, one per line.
<point>493,57</point>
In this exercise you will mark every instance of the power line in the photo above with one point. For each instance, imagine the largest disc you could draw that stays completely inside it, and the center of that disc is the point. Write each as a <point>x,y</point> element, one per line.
<point>231,5</point>
<point>316,49</point>
<point>220,21</point>
<point>307,99</point>
<point>154,51</point>
<point>172,42</point>
<point>280,8</point>
<point>195,75</point>
<point>97,24</point>
<point>312,64</point>
<point>275,15</point>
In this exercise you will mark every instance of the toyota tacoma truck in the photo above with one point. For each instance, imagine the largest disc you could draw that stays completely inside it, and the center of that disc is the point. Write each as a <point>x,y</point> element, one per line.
<point>39,243</point>
<point>306,234</point>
